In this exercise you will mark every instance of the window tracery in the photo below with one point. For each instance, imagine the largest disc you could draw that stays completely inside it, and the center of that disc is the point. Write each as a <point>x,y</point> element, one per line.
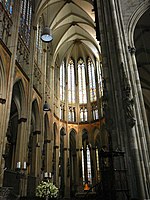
<point>25,20</point>
<point>82,82</point>
<point>71,82</point>
<point>92,80</point>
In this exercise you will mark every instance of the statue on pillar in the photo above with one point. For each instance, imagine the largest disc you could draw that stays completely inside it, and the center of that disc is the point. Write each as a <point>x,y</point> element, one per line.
<point>127,100</point>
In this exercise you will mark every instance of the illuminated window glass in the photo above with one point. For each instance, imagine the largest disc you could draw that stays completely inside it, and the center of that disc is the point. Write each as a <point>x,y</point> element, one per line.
<point>95,112</point>
<point>83,174</point>
<point>89,165</point>
<point>86,161</point>
<point>99,77</point>
<point>71,82</point>
<point>8,4</point>
<point>97,164</point>
<point>92,81</point>
<point>38,49</point>
<point>83,114</point>
<point>62,81</point>
<point>25,20</point>
<point>82,82</point>
<point>71,114</point>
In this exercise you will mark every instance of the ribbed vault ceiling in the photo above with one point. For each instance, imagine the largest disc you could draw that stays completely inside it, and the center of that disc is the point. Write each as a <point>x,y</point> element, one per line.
<point>73,27</point>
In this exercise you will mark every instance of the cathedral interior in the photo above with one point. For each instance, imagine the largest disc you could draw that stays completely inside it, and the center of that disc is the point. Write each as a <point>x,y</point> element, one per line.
<point>75,98</point>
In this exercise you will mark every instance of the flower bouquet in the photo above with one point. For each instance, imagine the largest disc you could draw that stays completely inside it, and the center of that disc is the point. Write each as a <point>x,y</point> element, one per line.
<point>47,189</point>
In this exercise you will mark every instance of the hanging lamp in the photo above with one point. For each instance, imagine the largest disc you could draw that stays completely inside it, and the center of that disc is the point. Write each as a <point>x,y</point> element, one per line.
<point>46,106</point>
<point>46,35</point>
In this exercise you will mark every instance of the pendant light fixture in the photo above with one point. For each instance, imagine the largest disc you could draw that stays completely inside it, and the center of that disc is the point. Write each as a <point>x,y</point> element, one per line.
<point>46,35</point>
<point>46,107</point>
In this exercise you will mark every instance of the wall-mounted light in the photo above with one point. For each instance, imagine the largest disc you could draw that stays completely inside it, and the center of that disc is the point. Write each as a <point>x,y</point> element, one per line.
<point>46,106</point>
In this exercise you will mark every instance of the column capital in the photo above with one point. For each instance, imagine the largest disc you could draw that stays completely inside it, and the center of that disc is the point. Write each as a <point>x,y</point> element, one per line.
<point>36,132</point>
<point>35,28</point>
<point>56,147</point>
<point>47,141</point>
<point>132,50</point>
<point>2,101</point>
<point>22,119</point>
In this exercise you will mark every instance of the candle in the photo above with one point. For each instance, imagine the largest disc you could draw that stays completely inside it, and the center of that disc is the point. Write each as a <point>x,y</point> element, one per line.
<point>24,165</point>
<point>50,175</point>
<point>18,165</point>
<point>46,174</point>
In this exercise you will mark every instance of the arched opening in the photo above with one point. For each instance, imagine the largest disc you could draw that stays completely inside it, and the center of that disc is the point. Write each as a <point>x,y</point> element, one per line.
<point>33,145</point>
<point>13,134</point>
<point>73,162</point>
<point>86,159</point>
<point>141,41</point>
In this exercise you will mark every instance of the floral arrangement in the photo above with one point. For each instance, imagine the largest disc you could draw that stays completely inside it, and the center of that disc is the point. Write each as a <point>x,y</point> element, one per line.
<point>47,189</point>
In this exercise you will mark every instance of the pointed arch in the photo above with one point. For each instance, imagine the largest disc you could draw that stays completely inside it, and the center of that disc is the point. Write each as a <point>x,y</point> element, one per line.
<point>35,115</point>
<point>20,97</point>
<point>134,19</point>
<point>73,161</point>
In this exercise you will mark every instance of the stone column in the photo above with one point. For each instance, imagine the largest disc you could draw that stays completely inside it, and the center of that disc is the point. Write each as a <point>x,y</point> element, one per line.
<point>48,156</point>
<point>77,168</point>
<point>130,137</point>
<point>57,165</point>
<point>21,142</point>
<point>93,165</point>
<point>141,132</point>
<point>66,175</point>
<point>13,48</point>
<point>3,140</point>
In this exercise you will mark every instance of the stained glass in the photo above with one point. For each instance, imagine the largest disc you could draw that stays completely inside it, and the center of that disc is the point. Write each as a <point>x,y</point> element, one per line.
<point>82,82</point>
<point>92,81</point>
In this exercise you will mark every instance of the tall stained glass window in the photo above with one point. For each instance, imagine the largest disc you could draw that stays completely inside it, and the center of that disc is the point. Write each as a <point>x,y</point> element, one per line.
<point>8,4</point>
<point>83,174</point>
<point>89,165</point>
<point>97,164</point>
<point>99,77</point>
<point>82,82</point>
<point>92,81</point>
<point>62,81</point>
<point>25,20</point>
<point>86,161</point>
<point>38,50</point>
<point>71,82</point>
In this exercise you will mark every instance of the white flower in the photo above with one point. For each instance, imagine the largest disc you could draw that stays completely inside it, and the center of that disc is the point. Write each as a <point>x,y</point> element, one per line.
<point>47,189</point>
